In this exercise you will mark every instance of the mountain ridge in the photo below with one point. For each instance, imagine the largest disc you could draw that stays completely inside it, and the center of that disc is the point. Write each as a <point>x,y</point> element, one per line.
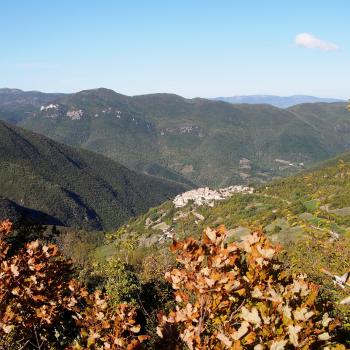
<point>198,140</point>
<point>76,187</point>
<point>277,101</point>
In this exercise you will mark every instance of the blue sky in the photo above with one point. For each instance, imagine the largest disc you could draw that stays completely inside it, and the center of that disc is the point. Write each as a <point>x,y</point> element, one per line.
<point>190,47</point>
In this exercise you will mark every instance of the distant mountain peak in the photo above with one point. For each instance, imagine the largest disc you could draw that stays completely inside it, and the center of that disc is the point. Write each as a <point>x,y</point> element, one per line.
<point>277,101</point>
<point>98,90</point>
<point>10,91</point>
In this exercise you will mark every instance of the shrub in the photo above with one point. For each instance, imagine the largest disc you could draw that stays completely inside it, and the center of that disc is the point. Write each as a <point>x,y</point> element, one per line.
<point>104,328</point>
<point>237,296</point>
<point>41,307</point>
<point>227,296</point>
<point>35,296</point>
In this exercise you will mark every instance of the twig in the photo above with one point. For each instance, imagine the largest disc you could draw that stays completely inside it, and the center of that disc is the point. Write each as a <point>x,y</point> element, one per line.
<point>25,344</point>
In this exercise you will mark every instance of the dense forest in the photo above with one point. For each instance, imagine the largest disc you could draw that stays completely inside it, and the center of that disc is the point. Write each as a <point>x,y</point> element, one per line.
<point>201,141</point>
<point>72,187</point>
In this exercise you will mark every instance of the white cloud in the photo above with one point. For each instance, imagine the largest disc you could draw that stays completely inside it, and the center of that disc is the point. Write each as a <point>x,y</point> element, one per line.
<point>311,42</point>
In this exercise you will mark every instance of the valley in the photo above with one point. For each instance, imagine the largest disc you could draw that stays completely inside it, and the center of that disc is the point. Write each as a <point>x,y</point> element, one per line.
<point>307,215</point>
<point>193,141</point>
<point>71,187</point>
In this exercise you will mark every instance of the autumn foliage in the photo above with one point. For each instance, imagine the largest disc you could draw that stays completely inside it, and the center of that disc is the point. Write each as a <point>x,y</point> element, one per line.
<point>41,307</point>
<point>237,296</point>
<point>34,292</point>
<point>227,296</point>
<point>102,327</point>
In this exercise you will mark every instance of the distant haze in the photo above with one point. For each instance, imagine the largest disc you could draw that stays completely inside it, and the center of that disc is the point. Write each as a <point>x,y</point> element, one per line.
<point>277,101</point>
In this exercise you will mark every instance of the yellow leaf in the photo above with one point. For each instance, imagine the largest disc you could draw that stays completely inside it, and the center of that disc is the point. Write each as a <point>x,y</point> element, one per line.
<point>324,336</point>
<point>14,270</point>
<point>225,340</point>
<point>135,329</point>
<point>278,345</point>
<point>293,334</point>
<point>251,316</point>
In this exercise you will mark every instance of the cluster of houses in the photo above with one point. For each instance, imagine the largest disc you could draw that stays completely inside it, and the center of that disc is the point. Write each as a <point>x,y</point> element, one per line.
<point>207,196</point>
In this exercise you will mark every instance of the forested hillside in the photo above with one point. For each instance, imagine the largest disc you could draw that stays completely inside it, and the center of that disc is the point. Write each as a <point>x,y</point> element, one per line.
<point>307,214</point>
<point>72,187</point>
<point>17,105</point>
<point>198,140</point>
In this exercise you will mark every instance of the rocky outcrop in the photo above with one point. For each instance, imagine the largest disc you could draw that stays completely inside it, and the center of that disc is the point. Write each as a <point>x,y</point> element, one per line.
<point>75,114</point>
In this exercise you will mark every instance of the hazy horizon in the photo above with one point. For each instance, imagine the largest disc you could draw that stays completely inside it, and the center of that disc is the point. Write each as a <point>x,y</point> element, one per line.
<point>165,92</point>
